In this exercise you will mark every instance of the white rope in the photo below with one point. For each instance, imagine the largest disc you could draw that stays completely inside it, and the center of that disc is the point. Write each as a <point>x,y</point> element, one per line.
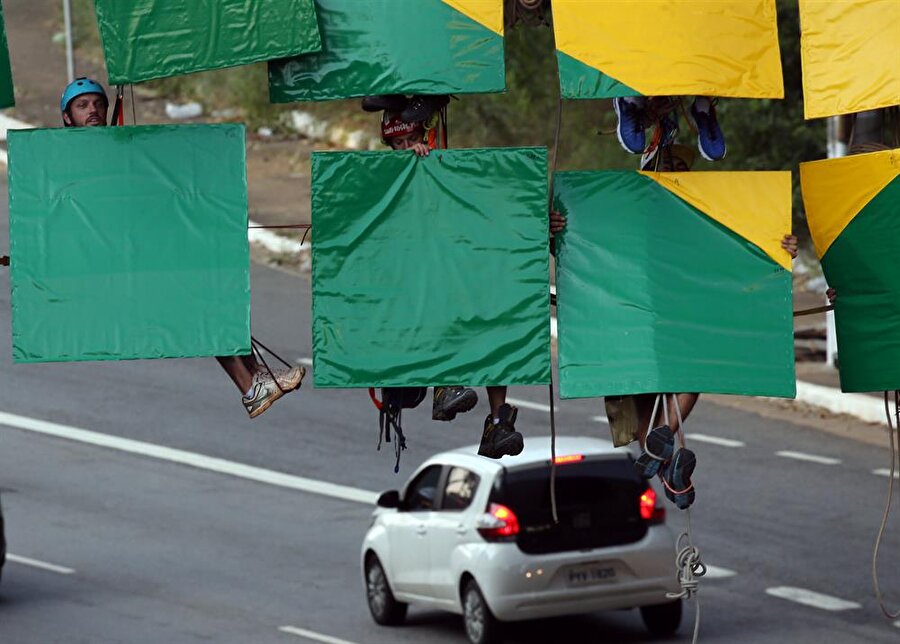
<point>887,506</point>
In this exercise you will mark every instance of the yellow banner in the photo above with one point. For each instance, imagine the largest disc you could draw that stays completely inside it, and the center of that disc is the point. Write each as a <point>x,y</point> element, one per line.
<point>850,50</point>
<point>753,205</point>
<point>676,47</point>
<point>836,190</point>
<point>488,13</point>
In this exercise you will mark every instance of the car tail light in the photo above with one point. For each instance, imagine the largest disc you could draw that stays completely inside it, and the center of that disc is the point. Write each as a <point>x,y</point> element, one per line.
<point>569,458</point>
<point>499,523</point>
<point>649,511</point>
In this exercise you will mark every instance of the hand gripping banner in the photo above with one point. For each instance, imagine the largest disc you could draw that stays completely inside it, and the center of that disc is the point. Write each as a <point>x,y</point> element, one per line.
<point>430,271</point>
<point>849,51</point>
<point>397,47</point>
<point>609,48</point>
<point>147,39</point>
<point>853,209</point>
<point>128,242</point>
<point>674,282</point>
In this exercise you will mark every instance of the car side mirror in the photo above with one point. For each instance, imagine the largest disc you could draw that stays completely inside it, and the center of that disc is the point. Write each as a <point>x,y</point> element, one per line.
<point>389,499</point>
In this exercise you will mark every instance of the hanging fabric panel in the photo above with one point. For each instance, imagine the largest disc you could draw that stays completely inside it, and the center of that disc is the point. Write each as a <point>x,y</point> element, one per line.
<point>850,52</point>
<point>608,48</point>
<point>397,47</point>
<point>129,242</point>
<point>430,271</point>
<point>147,39</point>
<point>659,289</point>
<point>7,96</point>
<point>853,209</point>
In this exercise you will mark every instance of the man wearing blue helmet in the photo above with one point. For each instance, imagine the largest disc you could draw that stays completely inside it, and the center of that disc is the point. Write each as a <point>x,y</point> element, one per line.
<point>84,104</point>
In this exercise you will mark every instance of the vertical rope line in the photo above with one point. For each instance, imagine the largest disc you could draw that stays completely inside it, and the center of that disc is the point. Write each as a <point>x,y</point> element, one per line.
<point>553,510</point>
<point>887,506</point>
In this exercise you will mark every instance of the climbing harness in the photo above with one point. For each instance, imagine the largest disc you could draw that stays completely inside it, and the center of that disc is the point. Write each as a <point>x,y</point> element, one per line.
<point>892,427</point>
<point>390,410</point>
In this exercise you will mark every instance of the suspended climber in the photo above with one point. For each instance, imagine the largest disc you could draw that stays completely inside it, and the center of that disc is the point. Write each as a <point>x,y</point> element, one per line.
<point>84,103</point>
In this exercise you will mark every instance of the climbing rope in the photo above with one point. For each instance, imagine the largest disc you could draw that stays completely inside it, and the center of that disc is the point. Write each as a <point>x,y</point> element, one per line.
<point>890,614</point>
<point>687,558</point>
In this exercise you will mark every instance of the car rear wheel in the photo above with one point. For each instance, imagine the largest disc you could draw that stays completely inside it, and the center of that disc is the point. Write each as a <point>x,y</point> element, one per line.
<point>481,625</point>
<point>385,609</point>
<point>662,620</point>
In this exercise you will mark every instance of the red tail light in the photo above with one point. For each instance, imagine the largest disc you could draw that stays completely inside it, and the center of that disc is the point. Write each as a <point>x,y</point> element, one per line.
<point>649,511</point>
<point>569,458</point>
<point>499,523</point>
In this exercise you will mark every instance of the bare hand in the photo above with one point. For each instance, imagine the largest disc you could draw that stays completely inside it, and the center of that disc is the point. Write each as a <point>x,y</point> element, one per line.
<point>421,149</point>
<point>789,243</point>
<point>557,222</point>
<point>831,294</point>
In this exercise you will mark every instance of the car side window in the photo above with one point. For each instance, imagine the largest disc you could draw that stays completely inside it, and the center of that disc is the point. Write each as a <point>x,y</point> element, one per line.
<point>459,490</point>
<point>421,495</point>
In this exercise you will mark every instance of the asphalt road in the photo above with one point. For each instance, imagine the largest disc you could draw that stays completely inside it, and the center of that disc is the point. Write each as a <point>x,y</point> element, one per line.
<point>150,550</point>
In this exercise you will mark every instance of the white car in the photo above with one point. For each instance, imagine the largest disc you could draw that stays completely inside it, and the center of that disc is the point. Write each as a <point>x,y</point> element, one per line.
<point>476,537</point>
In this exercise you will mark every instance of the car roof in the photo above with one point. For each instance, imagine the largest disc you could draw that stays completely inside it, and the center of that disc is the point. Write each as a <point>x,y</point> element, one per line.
<point>537,450</point>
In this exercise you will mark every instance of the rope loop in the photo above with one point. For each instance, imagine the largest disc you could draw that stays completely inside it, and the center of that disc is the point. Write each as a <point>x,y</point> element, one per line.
<point>690,568</point>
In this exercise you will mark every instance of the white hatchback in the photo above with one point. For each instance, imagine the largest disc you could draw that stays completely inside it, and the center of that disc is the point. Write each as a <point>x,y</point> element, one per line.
<point>475,536</point>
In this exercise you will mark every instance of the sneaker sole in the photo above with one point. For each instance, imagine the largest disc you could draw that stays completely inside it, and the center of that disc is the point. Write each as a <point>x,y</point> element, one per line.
<point>462,404</point>
<point>512,446</point>
<point>293,385</point>
<point>684,462</point>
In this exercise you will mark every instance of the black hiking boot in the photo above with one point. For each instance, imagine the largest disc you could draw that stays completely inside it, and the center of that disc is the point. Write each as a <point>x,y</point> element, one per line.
<point>449,401</point>
<point>501,438</point>
<point>420,108</point>
<point>389,102</point>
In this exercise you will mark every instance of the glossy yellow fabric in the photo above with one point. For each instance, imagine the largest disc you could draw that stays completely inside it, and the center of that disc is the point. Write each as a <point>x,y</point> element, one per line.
<point>836,190</point>
<point>676,47</point>
<point>488,13</point>
<point>753,205</point>
<point>850,51</point>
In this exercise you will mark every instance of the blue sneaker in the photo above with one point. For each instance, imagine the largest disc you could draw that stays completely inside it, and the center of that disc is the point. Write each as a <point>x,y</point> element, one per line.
<point>630,128</point>
<point>710,139</point>
<point>676,478</point>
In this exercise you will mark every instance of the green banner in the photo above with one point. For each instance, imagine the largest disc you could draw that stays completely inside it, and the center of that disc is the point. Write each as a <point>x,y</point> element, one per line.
<point>396,47</point>
<point>862,266</point>
<point>147,39</point>
<point>655,296</point>
<point>430,271</point>
<point>128,242</point>
<point>7,96</point>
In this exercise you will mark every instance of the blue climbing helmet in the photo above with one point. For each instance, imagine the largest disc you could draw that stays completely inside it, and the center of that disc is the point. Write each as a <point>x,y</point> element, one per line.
<point>79,87</point>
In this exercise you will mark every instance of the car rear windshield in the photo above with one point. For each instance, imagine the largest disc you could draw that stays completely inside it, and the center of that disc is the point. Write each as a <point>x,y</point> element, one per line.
<point>598,503</point>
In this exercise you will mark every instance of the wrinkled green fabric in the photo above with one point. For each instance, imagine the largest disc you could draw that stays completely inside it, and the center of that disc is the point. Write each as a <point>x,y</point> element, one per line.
<point>7,96</point>
<point>128,242</point>
<point>862,266</point>
<point>396,47</point>
<point>577,80</point>
<point>653,296</point>
<point>431,271</point>
<point>147,39</point>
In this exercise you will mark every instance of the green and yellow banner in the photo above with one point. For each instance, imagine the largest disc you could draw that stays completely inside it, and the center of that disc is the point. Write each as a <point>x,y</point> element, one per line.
<point>609,48</point>
<point>672,282</point>
<point>430,271</point>
<point>397,47</point>
<point>850,51</point>
<point>147,39</point>
<point>853,209</point>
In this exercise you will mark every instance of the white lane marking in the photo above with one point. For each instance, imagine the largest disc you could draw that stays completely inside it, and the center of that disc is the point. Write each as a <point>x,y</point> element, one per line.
<point>527,404</point>
<point>312,635</point>
<point>812,458</point>
<point>37,563</point>
<point>897,623</point>
<point>601,419</point>
<point>886,472</point>
<point>715,572</point>
<point>306,361</point>
<point>191,459</point>
<point>810,598</point>
<point>715,440</point>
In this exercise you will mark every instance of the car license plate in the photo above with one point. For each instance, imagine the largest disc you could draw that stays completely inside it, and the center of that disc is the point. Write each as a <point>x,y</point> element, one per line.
<point>590,574</point>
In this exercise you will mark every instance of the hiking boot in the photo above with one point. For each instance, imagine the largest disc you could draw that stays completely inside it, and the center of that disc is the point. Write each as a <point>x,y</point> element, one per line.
<point>449,401</point>
<point>630,128</point>
<point>676,478</point>
<point>388,102</point>
<point>288,379</point>
<point>710,140</point>
<point>420,107</point>
<point>659,445</point>
<point>501,438</point>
